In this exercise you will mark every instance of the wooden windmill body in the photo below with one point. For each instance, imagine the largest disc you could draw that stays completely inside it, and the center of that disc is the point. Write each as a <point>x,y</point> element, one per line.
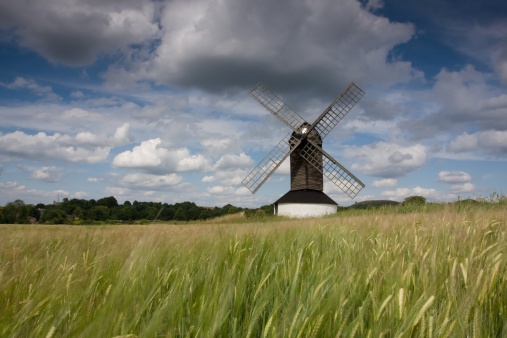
<point>309,163</point>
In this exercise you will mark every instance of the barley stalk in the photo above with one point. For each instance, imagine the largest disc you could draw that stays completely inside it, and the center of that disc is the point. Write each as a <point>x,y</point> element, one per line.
<point>382,306</point>
<point>354,330</point>
<point>401,299</point>
<point>453,274</point>
<point>268,325</point>
<point>431,321</point>
<point>370,275</point>
<point>424,308</point>
<point>476,323</point>
<point>292,325</point>
<point>316,327</point>
<point>464,274</point>
<point>51,332</point>
<point>493,274</point>
<point>449,330</point>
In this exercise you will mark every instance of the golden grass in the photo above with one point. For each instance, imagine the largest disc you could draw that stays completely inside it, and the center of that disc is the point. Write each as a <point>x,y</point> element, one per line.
<point>373,273</point>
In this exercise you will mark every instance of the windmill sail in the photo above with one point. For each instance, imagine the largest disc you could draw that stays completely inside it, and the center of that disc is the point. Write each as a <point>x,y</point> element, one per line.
<point>337,110</point>
<point>333,170</point>
<point>276,106</point>
<point>270,163</point>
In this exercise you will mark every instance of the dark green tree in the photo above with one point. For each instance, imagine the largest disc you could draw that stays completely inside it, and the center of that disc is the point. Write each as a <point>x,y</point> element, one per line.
<point>16,212</point>
<point>78,212</point>
<point>54,216</point>
<point>109,202</point>
<point>124,213</point>
<point>99,213</point>
<point>414,200</point>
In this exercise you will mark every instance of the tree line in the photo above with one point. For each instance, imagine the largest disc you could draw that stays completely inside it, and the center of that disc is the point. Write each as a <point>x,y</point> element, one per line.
<point>108,210</point>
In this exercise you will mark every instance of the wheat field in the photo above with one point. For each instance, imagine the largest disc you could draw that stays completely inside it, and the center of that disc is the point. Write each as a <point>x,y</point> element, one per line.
<point>435,273</point>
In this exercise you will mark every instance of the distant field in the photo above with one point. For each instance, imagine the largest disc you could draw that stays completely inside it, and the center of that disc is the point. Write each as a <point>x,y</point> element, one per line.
<point>356,274</point>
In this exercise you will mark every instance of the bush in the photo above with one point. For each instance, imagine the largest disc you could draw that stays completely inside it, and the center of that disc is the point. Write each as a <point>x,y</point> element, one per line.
<point>54,216</point>
<point>414,200</point>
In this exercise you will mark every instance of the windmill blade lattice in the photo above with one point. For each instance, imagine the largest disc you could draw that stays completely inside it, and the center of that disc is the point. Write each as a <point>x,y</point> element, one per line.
<point>337,110</point>
<point>276,106</point>
<point>333,170</point>
<point>270,163</point>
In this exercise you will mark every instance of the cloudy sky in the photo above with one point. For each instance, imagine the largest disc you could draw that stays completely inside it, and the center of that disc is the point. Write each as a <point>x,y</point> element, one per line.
<point>148,100</point>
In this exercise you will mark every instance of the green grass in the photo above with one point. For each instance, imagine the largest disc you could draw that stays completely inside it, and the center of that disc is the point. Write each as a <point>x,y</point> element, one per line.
<point>438,273</point>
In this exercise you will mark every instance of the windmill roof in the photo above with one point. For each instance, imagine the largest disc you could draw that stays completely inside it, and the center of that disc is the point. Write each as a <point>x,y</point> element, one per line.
<point>306,196</point>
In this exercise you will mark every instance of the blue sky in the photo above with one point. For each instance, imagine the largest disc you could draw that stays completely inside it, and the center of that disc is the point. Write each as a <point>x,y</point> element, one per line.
<point>148,100</point>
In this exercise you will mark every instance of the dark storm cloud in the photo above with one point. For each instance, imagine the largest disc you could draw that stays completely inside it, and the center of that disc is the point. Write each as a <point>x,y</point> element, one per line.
<point>316,47</point>
<point>292,45</point>
<point>76,32</point>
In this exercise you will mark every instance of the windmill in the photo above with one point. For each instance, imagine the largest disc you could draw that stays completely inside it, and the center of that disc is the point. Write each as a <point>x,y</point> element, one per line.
<point>309,163</point>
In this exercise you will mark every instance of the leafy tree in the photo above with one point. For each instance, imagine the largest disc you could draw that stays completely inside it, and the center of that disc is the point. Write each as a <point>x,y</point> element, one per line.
<point>167,213</point>
<point>124,213</point>
<point>16,212</point>
<point>54,216</point>
<point>151,212</point>
<point>414,200</point>
<point>180,214</point>
<point>230,209</point>
<point>109,202</point>
<point>34,212</point>
<point>193,213</point>
<point>79,212</point>
<point>260,213</point>
<point>99,213</point>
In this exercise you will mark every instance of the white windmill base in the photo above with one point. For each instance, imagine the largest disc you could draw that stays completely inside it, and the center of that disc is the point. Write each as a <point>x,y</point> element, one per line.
<point>305,203</point>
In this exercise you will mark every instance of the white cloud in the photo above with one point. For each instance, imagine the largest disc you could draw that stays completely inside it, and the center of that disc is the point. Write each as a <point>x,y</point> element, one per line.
<point>486,42</point>
<point>43,147</point>
<point>121,136</point>
<point>227,162</point>
<point>221,190</point>
<point>152,155</point>
<point>459,100</point>
<point>10,191</point>
<point>147,154</point>
<point>462,188</point>
<point>22,83</point>
<point>48,174</point>
<point>402,193</point>
<point>386,182</point>
<point>490,141</point>
<point>454,177</point>
<point>150,182</point>
<point>228,178</point>
<point>119,192</point>
<point>80,194</point>
<point>83,147</point>
<point>373,5</point>
<point>208,179</point>
<point>243,191</point>
<point>217,189</point>
<point>94,179</point>
<point>388,160</point>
